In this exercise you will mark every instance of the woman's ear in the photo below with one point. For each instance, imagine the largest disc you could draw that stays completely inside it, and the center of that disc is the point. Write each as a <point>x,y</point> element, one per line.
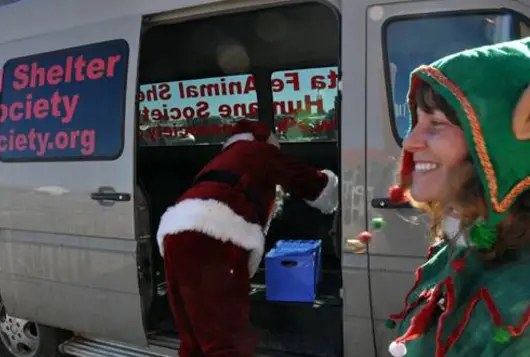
<point>521,117</point>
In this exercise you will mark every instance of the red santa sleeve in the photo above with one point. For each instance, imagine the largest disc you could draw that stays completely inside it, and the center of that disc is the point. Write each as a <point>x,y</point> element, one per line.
<point>318,188</point>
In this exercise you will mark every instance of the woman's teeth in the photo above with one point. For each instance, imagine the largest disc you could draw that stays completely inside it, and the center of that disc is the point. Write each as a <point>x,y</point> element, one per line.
<point>424,166</point>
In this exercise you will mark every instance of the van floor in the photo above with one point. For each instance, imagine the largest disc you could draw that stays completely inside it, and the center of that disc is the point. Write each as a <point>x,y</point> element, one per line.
<point>171,342</point>
<point>303,329</point>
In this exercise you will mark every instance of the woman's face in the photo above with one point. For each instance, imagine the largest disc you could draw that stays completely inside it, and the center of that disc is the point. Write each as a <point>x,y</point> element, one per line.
<point>438,146</point>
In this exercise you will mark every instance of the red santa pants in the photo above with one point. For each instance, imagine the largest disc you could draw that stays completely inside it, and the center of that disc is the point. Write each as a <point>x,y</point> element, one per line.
<point>208,290</point>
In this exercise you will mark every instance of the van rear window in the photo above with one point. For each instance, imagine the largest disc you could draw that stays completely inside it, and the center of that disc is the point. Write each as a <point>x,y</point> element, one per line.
<point>199,111</point>
<point>304,104</point>
<point>64,105</point>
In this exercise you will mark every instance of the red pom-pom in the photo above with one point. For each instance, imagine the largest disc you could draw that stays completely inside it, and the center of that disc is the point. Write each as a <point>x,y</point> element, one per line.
<point>365,237</point>
<point>396,194</point>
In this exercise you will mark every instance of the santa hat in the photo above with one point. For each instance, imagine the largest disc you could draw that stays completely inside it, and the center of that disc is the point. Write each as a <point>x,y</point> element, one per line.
<point>251,130</point>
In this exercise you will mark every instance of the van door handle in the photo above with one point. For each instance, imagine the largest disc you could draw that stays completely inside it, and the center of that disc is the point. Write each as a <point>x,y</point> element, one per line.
<point>110,196</point>
<point>385,203</point>
<point>107,196</point>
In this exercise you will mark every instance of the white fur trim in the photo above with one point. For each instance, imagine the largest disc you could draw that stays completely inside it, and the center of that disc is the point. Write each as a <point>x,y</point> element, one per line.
<point>451,227</point>
<point>238,137</point>
<point>397,349</point>
<point>254,259</point>
<point>217,220</point>
<point>273,140</point>
<point>328,200</point>
<point>255,256</point>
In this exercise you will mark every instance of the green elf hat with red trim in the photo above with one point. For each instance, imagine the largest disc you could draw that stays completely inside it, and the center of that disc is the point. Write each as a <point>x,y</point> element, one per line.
<point>488,88</point>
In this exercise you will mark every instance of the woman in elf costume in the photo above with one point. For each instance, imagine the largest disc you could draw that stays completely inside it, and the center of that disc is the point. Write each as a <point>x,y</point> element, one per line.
<point>466,162</point>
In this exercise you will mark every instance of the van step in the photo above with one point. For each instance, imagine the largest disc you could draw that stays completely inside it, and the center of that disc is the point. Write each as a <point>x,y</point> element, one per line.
<point>83,347</point>
<point>270,344</point>
<point>164,340</point>
<point>295,344</point>
<point>159,346</point>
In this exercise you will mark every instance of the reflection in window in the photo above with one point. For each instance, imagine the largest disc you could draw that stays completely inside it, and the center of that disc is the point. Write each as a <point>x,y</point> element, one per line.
<point>304,104</point>
<point>413,42</point>
<point>194,111</point>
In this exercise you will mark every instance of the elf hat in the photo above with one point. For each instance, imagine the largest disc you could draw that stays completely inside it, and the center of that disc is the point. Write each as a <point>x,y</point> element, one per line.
<point>251,130</point>
<point>489,89</point>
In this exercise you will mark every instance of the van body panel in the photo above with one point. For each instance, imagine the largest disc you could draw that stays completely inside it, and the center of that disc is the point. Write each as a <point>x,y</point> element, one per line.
<point>357,324</point>
<point>56,15</point>
<point>38,18</point>
<point>67,260</point>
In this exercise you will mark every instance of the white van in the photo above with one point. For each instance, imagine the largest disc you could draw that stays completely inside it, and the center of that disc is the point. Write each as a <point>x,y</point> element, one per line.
<point>109,108</point>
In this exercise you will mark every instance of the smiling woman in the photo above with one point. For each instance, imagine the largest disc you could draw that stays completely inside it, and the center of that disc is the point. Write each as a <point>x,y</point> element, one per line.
<point>438,146</point>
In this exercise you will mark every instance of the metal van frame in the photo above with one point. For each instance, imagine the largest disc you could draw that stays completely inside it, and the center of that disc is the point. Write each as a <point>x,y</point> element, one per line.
<point>57,246</point>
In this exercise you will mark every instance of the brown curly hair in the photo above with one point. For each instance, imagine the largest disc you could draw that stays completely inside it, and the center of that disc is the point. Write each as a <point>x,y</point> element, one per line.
<point>465,193</point>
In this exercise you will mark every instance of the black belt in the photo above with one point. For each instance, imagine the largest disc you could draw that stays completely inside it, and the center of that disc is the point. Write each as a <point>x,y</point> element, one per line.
<point>233,180</point>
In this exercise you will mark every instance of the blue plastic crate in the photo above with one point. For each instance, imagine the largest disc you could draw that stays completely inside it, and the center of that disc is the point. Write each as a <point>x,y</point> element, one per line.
<point>292,270</point>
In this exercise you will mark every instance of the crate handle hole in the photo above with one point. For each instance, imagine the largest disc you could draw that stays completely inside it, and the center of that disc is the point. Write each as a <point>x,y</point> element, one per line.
<point>289,263</point>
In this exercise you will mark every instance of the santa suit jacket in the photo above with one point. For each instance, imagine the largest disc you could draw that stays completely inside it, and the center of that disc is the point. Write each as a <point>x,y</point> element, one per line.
<point>224,211</point>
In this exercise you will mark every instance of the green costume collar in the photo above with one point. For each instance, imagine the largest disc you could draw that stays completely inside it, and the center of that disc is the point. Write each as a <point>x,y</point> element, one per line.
<point>453,294</point>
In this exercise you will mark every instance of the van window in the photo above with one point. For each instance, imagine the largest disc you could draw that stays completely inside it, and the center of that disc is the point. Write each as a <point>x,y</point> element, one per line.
<point>412,42</point>
<point>198,111</point>
<point>304,104</point>
<point>7,2</point>
<point>64,105</point>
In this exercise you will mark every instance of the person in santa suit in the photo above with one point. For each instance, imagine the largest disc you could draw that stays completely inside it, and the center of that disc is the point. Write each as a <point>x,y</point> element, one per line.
<point>212,240</point>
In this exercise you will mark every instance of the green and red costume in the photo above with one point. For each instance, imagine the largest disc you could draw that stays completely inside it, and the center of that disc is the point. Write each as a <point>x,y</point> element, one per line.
<point>460,304</point>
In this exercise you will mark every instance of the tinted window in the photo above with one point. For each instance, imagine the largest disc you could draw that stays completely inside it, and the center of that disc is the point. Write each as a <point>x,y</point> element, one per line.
<point>197,111</point>
<point>7,2</point>
<point>304,104</point>
<point>413,42</point>
<point>64,105</point>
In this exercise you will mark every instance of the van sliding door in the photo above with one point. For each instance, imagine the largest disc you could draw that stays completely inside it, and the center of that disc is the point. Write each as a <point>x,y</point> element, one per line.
<point>67,234</point>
